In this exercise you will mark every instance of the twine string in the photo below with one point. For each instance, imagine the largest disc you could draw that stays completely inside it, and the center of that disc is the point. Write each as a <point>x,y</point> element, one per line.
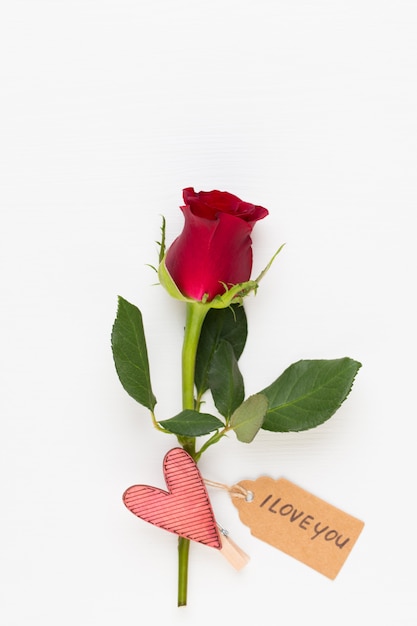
<point>235,491</point>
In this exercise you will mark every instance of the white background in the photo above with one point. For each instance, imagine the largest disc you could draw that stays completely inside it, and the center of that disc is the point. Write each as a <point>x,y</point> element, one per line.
<point>109,109</point>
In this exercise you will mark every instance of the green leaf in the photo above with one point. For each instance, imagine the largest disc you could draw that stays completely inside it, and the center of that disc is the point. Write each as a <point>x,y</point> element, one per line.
<point>229,324</point>
<point>308,393</point>
<point>249,416</point>
<point>192,424</point>
<point>225,379</point>
<point>130,354</point>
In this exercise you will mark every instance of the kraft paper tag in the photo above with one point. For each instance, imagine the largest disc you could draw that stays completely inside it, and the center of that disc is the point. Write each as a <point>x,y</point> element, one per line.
<point>298,523</point>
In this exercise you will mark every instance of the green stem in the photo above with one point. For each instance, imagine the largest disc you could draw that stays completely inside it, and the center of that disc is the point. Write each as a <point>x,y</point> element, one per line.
<point>214,439</point>
<point>196,312</point>
<point>183,551</point>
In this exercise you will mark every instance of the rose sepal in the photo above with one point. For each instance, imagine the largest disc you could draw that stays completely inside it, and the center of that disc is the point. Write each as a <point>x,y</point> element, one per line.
<point>232,295</point>
<point>168,283</point>
<point>235,294</point>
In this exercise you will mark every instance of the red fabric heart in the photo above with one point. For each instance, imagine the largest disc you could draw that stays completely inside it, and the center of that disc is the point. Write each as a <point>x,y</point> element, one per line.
<point>185,509</point>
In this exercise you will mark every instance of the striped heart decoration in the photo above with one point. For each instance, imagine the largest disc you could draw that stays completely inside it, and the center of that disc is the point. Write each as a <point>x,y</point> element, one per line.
<point>184,509</point>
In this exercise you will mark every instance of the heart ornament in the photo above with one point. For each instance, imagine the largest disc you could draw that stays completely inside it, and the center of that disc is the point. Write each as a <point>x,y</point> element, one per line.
<point>184,509</point>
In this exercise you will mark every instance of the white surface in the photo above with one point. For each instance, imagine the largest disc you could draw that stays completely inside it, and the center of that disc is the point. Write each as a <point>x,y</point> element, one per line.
<point>109,109</point>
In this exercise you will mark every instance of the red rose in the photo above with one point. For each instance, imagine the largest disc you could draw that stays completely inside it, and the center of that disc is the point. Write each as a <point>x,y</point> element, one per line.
<point>215,246</point>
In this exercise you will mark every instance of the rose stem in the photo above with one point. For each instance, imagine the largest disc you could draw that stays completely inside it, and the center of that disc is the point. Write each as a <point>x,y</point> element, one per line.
<point>196,312</point>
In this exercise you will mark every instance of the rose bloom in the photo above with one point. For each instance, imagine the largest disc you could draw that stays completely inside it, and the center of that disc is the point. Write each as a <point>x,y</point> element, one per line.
<point>215,246</point>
